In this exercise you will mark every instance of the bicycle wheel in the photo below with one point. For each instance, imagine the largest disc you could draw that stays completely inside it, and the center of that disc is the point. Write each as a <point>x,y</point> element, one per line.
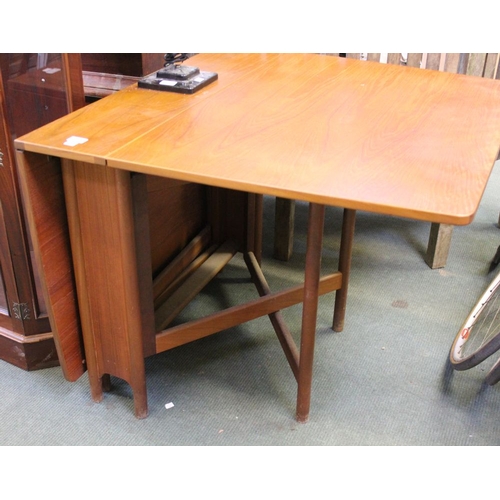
<point>479,336</point>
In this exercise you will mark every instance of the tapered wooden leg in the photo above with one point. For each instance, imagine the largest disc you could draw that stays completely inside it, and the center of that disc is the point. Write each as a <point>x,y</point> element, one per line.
<point>310,309</point>
<point>345,255</point>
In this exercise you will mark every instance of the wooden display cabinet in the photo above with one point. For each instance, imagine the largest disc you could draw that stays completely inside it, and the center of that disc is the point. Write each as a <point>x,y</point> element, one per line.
<point>34,90</point>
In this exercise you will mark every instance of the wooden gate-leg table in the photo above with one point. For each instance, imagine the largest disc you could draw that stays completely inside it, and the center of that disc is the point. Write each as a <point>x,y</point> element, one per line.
<point>387,139</point>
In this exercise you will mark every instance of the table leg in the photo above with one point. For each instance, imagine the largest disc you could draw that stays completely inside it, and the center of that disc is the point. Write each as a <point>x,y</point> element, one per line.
<point>102,225</point>
<point>310,308</point>
<point>345,254</point>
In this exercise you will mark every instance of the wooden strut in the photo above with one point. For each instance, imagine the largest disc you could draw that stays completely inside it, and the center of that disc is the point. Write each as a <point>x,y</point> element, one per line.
<point>279,325</point>
<point>167,312</point>
<point>236,315</point>
<point>176,270</point>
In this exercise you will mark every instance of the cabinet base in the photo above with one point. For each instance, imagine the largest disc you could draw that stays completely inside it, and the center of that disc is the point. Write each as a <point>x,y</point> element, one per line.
<point>29,355</point>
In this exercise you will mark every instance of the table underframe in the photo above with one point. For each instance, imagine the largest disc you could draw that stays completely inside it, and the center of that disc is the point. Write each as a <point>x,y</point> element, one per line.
<point>108,229</point>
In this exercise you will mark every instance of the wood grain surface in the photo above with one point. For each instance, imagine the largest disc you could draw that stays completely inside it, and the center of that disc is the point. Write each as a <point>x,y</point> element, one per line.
<point>357,134</point>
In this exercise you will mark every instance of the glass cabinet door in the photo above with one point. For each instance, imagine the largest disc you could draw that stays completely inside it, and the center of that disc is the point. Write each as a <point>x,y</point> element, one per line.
<point>35,89</point>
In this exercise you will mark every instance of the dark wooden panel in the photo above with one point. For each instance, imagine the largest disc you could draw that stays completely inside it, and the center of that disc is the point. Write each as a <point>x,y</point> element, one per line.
<point>123,64</point>
<point>177,212</point>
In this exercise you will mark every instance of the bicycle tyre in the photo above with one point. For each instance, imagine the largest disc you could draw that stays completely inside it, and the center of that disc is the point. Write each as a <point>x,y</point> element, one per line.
<point>494,374</point>
<point>479,336</point>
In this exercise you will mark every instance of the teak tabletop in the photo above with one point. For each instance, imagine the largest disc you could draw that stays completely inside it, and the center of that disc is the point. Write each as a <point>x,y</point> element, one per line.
<point>325,130</point>
<point>356,134</point>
